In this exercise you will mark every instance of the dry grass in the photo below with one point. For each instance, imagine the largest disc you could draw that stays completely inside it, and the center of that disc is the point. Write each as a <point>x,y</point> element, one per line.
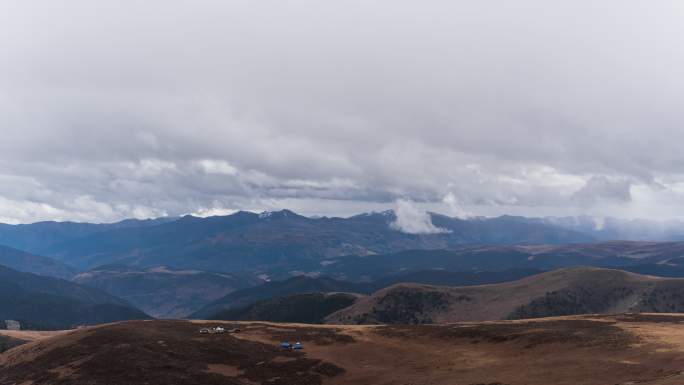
<point>579,350</point>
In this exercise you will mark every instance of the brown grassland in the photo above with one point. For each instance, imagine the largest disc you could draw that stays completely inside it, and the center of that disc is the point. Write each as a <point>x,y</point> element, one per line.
<point>600,350</point>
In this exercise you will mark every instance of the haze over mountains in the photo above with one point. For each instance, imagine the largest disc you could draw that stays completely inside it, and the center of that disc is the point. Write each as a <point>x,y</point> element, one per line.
<point>197,267</point>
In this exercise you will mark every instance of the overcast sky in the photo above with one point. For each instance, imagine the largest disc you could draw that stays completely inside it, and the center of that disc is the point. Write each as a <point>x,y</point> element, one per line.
<point>113,109</point>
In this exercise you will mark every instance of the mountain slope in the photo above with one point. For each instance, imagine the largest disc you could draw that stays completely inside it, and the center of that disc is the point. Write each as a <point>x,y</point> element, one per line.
<point>284,241</point>
<point>163,292</point>
<point>48,303</point>
<point>455,278</point>
<point>560,292</point>
<point>296,285</point>
<point>310,308</point>
<point>29,263</point>
<point>503,257</point>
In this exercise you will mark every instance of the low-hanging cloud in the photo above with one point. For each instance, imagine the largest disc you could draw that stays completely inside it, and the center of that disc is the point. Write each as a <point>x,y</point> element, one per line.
<point>411,219</point>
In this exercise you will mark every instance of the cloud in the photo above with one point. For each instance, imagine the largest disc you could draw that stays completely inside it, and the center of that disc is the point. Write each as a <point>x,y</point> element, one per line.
<point>601,189</point>
<point>339,107</point>
<point>456,208</point>
<point>412,220</point>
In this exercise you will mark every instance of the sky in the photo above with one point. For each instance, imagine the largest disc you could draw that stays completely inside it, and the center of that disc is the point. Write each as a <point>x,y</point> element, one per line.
<point>116,109</point>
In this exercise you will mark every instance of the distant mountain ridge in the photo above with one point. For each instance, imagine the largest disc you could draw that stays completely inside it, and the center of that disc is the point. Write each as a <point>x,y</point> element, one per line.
<point>279,240</point>
<point>40,237</point>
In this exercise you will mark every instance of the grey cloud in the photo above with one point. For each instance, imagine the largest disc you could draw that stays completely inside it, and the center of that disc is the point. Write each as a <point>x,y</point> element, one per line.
<point>600,189</point>
<point>113,108</point>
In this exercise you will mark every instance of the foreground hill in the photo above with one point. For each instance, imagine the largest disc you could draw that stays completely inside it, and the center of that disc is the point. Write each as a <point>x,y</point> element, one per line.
<point>39,302</point>
<point>163,292</point>
<point>29,263</point>
<point>560,292</point>
<point>282,241</point>
<point>631,349</point>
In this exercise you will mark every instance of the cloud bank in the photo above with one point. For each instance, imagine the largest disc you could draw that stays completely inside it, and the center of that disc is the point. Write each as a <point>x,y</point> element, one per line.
<point>116,109</point>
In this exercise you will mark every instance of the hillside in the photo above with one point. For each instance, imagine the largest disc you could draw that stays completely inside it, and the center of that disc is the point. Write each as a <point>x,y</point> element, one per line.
<point>29,263</point>
<point>39,302</point>
<point>561,292</point>
<point>297,285</point>
<point>283,241</point>
<point>310,308</point>
<point>440,277</point>
<point>628,349</point>
<point>163,292</point>
<point>503,257</point>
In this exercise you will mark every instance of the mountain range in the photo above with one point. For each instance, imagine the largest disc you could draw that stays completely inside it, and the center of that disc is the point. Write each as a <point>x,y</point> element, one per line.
<point>199,267</point>
<point>278,242</point>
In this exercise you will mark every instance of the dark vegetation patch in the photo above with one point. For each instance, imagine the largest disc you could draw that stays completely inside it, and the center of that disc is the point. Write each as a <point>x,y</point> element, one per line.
<point>582,333</point>
<point>573,301</point>
<point>7,343</point>
<point>167,352</point>
<point>406,305</point>
<point>275,289</point>
<point>302,308</point>
<point>666,297</point>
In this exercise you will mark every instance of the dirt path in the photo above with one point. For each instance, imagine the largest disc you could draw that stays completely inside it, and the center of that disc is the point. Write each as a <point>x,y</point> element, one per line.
<point>30,335</point>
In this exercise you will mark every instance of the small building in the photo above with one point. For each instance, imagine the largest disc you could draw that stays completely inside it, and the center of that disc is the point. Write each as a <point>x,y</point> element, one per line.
<point>12,325</point>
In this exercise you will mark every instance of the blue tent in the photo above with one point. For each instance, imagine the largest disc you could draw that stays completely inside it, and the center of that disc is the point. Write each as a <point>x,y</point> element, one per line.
<point>298,346</point>
<point>285,345</point>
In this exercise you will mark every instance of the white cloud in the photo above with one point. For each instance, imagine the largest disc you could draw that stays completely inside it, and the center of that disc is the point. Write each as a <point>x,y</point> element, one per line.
<point>455,206</point>
<point>412,220</point>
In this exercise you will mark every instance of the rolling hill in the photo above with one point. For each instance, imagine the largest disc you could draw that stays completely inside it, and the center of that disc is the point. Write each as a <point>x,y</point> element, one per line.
<point>163,292</point>
<point>298,290</point>
<point>568,291</point>
<point>296,285</point>
<point>39,302</point>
